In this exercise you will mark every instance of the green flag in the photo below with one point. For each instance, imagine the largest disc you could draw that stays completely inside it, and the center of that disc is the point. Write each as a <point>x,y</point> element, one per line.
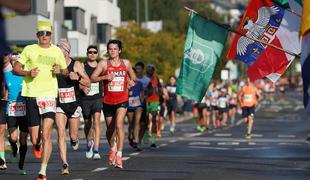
<point>203,47</point>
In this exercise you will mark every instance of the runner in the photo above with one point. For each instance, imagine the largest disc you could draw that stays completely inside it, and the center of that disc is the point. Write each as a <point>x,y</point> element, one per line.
<point>16,112</point>
<point>147,86</point>
<point>232,106</point>
<point>153,103</point>
<point>214,108</point>
<point>248,98</point>
<point>3,98</point>
<point>162,112</point>
<point>39,64</point>
<point>134,112</point>
<point>91,106</point>
<point>114,73</point>
<point>68,106</point>
<point>223,106</point>
<point>171,91</point>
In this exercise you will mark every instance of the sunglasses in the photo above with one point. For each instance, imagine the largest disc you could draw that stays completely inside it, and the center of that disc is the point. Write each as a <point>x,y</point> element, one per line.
<point>92,52</point>
<point>44,33</point>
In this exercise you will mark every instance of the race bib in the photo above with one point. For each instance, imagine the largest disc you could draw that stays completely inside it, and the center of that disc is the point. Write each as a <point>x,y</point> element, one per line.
<point>134,101</point>
<point>46,105</point>
<point>172,89</point>
<point>94,89</point>
<point>17,109</point>
<point>222,104</point>
<point>248,98</point>
<point>66,95</point>
<point>117,84</point>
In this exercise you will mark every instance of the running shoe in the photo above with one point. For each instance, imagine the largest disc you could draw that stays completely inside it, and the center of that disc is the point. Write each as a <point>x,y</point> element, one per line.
<point>112,157</point>
<point>22,172</point>
<point>41,177</point>
<point>153,145</point>
<point>75,144</point>
<point>96,156</point>
<point>172,128</point>
<point>146,138</point>
<point>162,127</point>
<point>198,128</point>
<point>89,152</point>
<point>2,164</point>
<point>202,128</point>
<point>118,162</point>
<point>130,140</point>
<point>37,152</point>
<point>65,169</point>
<point>248,136</point>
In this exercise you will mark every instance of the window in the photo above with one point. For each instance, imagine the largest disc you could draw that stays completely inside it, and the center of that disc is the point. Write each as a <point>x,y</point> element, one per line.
<point>39,7</point>
<point>70,18</point>
<point>104,33</point>
<point>75,19</point>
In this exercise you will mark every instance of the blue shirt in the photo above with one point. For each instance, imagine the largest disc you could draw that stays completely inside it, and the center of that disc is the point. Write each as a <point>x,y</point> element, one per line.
<point>14,85</point>
<point>134,94</point>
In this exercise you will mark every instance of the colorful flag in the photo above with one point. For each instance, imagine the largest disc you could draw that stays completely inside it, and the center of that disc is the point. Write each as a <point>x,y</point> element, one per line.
<point>305,52</point>
<point>271,23</point>
<point>203,47</point>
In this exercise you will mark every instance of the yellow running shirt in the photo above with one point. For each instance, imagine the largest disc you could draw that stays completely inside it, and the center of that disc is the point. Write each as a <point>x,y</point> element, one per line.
<point>45,83</point>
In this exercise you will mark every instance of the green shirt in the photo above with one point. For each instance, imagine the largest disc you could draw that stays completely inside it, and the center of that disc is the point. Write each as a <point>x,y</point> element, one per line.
<point>45,83</point>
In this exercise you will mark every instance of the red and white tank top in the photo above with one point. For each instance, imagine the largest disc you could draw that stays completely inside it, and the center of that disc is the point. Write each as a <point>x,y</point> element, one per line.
<point>115,91</point>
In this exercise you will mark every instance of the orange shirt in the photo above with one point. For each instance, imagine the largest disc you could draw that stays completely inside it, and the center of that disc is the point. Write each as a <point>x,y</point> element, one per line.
<point>156,85</point>
<point>249,98</point>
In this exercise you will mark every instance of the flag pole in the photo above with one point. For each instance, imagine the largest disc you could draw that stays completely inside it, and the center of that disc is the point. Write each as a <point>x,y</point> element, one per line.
<point>236,32</point>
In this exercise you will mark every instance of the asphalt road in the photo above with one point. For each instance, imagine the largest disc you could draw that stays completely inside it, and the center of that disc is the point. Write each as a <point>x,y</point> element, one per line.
<point>278,150</point>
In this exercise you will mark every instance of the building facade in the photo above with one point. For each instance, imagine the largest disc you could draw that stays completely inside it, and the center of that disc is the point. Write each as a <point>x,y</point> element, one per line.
<point>82,22</point>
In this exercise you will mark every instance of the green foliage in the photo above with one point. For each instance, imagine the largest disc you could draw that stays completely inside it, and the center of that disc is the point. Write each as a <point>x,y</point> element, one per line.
<point>163,49</point>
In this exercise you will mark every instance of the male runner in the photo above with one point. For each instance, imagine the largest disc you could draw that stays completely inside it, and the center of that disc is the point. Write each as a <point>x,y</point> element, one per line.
<point>91,106</point>
<point>68,105</point>
<point>248,98</point>
<point>39,64</point>
<point>16,111</point>
<point>114,73</point>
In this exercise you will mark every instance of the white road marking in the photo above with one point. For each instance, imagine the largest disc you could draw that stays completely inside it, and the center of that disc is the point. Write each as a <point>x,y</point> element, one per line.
<point>172,141</point>
<point>99,169</point>
<point>192,134</point>
<point>246,149</point>
<point>257,135</point>
<point>181,138</point>
<point>134,154</point>
<point>286,136</point>
<point>235,143</point>
<point>252,143</point>
<point>162,145</point>
<point>125,158</point>
<point>290,144</point>
<point>223,134</point>
<point>298,108</point>
<point>199,143</point>
<point>212,148</point>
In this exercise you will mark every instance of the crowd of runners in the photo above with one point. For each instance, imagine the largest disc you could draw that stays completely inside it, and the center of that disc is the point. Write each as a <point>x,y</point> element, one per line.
<point>44,85</point>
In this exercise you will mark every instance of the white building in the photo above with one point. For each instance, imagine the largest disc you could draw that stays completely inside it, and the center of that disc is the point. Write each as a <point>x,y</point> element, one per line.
<point>82,22</point>
<point>90,22</point>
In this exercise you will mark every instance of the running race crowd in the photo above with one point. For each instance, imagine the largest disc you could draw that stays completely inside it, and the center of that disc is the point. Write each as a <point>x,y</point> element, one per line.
<point>45,85</point>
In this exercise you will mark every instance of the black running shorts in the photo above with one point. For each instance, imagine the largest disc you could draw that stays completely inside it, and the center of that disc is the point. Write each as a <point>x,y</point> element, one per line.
<point>32,113</point>
<point>90,107</point>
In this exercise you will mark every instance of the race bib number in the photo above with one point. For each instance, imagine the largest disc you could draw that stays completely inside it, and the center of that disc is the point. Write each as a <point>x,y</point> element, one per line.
<point>94,89</point>
<point>17,109</point>
<point>66,95</point>
<point>117,84</point>
<point>134,101</point>
<point>222,104</point>
<point>248,98</point>
<point>46,105</point>
<point>172,90</point>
